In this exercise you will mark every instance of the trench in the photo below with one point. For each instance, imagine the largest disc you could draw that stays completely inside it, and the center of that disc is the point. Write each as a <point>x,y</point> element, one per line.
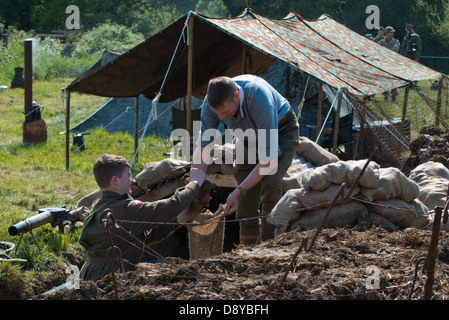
<point>177,244</point>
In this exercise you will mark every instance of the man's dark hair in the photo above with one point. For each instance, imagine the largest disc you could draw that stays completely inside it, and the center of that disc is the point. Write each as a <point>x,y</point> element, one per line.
<point>220,90</point>
<point>108,166</point>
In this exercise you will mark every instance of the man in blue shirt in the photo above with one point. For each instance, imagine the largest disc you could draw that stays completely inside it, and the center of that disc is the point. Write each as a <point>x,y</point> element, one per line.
<point>266,135</point>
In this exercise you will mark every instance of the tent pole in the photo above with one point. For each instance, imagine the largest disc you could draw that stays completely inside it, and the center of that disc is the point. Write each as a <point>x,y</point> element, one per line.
<point>320,107</point>
<point>337,124</point>
<point>67,130</point>
<point>244,58</point>
<point>189,78</point>
<point>438,111</point>
<point>136,127</point>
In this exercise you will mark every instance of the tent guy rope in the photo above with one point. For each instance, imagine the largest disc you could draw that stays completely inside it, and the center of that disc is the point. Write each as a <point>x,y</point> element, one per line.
<point>153,113</point>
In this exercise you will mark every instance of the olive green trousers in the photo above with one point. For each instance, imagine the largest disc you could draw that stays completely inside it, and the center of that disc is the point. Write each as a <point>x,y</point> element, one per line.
<point>269,191</point>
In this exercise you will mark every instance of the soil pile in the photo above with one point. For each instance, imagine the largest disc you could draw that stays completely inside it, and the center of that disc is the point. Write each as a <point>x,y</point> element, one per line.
<point>343,264</point>
<point>432,144</point>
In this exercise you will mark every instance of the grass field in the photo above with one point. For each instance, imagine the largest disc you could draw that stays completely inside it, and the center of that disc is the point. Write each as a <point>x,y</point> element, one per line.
<point>34,176</point>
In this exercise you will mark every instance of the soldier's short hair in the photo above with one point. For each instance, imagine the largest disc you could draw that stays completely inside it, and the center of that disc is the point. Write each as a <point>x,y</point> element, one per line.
<point>220,90</point>
<point>108,166</point>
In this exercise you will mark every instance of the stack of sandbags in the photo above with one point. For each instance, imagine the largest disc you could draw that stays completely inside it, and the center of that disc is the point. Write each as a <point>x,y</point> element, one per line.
<point>397,200</point>
<point>155,173</point>
<point>222,159</point>
<point>292,178</point>
<point>391,199</point>
<point>314,153</point>
<point>289,213</point>
<point>89,199</point>
<point>308,156</point>
<point>319,187</point>
<point>223,153</point>
<point>392,184</point>
<point>433,181</point>
<point>342,172</point>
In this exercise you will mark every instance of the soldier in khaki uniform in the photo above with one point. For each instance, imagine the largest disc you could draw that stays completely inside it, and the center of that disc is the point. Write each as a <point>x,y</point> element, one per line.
<point>393,44</point>
<point>112,174</point>
<point>380,35</point>
<point>390,41</point>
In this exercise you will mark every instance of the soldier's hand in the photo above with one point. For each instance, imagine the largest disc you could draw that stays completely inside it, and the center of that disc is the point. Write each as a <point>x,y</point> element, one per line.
<point>232,203</point>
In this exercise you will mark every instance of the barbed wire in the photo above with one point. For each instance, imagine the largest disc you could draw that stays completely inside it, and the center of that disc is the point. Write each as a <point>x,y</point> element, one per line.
<point>270,292</point>
<point>298,210</point>
<point>147,249</point>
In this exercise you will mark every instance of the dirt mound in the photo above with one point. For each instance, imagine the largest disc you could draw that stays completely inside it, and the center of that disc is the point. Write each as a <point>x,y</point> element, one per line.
<point>344,264</point>
<point>432,144</point>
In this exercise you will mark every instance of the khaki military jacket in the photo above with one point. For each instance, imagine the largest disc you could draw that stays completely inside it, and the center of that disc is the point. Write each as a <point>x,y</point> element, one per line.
<point>392,44</point>
<point>94,237</point>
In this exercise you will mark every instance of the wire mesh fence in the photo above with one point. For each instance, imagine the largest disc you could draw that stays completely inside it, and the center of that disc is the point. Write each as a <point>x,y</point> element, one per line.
<point>390,121</point>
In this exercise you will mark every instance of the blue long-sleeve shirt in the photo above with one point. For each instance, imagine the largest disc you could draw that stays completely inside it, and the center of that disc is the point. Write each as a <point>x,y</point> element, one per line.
<point>261,108</point>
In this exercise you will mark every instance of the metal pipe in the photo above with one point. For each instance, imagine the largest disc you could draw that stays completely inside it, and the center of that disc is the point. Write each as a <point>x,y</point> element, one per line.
<point>28,80</point>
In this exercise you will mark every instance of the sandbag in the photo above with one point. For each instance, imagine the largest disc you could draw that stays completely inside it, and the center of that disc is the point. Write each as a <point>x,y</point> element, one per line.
<point>434,192</point>
<point>87,201</point>
<point>373,219</point>
<point>433,181</point>
<point>292,178</point>
<point>401,213</point>
<point>430,168</point>
<point>286,210</point>
<point>314,153</point>
<point>156,172</point>
<point>206,240</point>
<point>340,216</point>
<point>289,183</point>
<point>393,184</point>
<point>223,154</point>
<point>342,172</point>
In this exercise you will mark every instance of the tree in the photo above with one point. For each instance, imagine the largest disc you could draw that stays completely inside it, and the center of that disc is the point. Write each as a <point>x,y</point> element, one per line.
<point>109,36</point>
<point>16,13</point>
<point>212,8</point>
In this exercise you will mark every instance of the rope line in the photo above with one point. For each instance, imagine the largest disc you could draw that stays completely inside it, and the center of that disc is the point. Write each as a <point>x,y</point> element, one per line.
<point>156,99</point>
<point>15,122</point>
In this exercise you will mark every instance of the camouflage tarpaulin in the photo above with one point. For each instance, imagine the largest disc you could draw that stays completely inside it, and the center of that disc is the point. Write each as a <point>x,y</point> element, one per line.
<point>322,48</point>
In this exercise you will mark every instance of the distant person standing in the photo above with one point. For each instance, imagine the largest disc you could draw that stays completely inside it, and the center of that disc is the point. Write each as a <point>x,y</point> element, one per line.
<point>390,41</point>
<point>380,35</point>
<point>393,44</point>
<point>411,45</point>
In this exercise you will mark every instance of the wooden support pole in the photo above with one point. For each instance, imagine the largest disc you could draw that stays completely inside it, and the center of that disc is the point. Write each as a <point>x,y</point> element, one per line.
<point>287,83</point>
<point>28,45</point>
<point>337,124</point>
<point>244,58</point>
<point>404,106</point>
<point>320,108</point>
<point>136,127</point>
<point>190,78</point>
<point>438,110</point>
<point>67,130</point>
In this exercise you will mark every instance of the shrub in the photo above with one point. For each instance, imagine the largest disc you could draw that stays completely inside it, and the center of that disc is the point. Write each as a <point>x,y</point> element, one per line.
<point>109,36</point>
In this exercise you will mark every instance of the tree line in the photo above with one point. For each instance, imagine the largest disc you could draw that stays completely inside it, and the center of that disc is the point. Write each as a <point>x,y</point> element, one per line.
<point>429,17</point>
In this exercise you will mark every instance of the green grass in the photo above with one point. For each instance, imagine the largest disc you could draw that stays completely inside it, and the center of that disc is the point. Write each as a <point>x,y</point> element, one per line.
<point>34,176</point>
<point>418,111</point>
